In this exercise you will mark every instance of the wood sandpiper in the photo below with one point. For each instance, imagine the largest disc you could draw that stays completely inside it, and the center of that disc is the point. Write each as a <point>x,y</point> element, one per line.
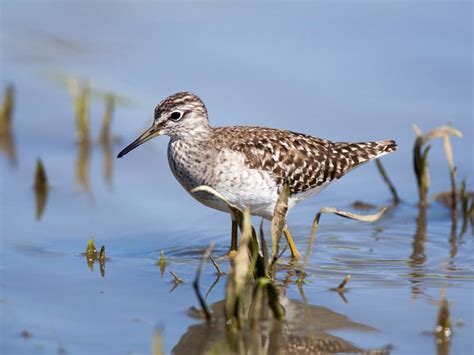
<point>250,165</point>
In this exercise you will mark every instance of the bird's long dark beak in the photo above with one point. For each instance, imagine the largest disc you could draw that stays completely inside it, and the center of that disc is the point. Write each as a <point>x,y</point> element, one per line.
<point>147,135</point>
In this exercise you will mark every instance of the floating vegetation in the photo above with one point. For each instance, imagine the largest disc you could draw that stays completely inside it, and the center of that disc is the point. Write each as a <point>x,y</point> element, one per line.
<point>92,256</point>
<point>420,158</point>
<point>7,143</point>
<point>386,179</point>
<point>162,263</point>
<point>41,188</point>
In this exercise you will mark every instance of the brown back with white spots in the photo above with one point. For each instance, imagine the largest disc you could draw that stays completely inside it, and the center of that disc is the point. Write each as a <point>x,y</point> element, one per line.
<point>303,161</point>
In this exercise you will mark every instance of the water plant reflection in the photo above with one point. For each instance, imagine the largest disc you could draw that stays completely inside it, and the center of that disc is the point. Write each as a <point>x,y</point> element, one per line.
<point>7,140</point>
<point>83,165</point>
<point>41,189</point>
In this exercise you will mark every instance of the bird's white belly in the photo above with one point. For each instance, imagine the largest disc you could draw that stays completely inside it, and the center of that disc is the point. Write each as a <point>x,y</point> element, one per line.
<point>228,174</point>
<point>244,187</point>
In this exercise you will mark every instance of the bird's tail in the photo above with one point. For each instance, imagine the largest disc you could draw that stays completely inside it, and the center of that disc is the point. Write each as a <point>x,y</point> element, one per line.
<point>356,154</point>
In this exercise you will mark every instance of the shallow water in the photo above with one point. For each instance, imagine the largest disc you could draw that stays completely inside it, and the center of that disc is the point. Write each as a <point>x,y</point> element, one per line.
<point>340,71</point>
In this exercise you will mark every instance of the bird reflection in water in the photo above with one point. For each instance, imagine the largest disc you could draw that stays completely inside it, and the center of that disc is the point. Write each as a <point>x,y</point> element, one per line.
<point>304,330</point>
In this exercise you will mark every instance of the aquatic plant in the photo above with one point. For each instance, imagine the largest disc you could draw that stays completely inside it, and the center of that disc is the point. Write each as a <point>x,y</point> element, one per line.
<point>196,284</point>
<point>247,260</point>
<point>314,228</point>
<point>162,262</point>
<point>420,159</point>
<point>388,182</point>
<point>219,272</point>
<point>251,258</point>
<point>176,278</point>
<point>93,256</point>
<point>465,197</point>
<point>91,253</point>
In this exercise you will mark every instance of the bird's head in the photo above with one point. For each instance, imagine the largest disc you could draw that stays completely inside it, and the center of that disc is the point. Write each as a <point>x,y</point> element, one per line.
<point>180,116</point>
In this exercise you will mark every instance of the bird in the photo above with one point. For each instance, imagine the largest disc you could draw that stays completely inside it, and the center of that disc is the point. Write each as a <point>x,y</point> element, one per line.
<point>250,165</point>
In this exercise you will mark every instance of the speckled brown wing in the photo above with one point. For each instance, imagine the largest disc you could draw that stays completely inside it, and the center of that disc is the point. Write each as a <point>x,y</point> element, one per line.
<point>303,161</point>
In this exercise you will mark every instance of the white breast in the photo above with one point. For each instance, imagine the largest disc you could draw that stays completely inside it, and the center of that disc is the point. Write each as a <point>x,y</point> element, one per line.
<point>226,172</point>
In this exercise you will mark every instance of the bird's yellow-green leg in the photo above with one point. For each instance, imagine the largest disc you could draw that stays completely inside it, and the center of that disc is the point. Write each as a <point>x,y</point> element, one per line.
<point>233,241</point>
<point>295,254</point>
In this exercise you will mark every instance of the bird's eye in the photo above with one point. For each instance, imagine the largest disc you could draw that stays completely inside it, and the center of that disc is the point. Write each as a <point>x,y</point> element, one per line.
<point>175,116</point>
